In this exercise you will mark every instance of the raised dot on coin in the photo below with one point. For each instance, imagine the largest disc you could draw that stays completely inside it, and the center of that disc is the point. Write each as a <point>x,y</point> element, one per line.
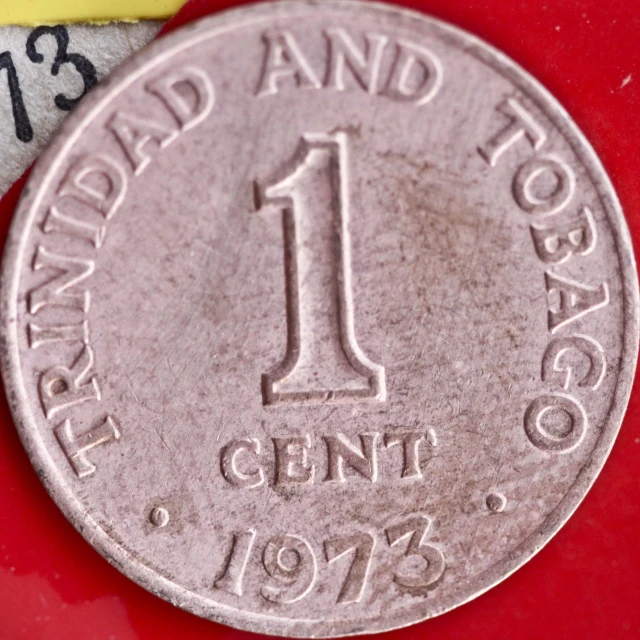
<point>159,517</point>
<point>496,502</point>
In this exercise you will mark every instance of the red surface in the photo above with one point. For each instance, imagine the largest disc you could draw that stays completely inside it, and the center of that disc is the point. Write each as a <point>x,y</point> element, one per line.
<point>583,585</point>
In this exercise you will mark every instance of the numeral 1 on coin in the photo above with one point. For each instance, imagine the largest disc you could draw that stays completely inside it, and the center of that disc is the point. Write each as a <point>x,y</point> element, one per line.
<point>231,579</point>
<point>323,361</point>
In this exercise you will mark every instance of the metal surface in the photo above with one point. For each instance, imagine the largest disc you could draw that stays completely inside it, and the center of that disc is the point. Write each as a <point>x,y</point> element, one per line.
<point>319,319</point>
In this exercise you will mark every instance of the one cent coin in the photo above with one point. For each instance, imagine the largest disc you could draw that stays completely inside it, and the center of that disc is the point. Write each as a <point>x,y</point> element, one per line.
<point>319,318</point>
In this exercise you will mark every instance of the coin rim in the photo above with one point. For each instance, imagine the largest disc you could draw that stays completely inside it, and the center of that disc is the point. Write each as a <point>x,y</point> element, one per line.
<point>12,264</point>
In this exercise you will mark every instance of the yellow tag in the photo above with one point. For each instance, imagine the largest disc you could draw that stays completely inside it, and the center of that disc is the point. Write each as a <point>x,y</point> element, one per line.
<point>37,12</point>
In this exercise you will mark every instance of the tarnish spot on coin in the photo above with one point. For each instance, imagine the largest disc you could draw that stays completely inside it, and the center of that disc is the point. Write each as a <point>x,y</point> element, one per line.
<point>496,502</point>
<point>159,517</point>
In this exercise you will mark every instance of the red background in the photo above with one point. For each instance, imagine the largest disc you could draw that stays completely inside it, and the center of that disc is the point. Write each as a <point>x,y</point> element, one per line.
<point>584,584</point>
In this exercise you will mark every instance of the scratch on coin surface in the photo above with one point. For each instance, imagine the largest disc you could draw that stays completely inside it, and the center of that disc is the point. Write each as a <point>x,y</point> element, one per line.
<point>132,389</point>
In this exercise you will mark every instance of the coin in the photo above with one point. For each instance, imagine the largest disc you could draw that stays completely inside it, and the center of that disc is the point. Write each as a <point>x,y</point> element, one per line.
<point>319,318</point>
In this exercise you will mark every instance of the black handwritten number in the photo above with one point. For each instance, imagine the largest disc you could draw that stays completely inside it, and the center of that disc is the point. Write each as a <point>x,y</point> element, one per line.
<point>24,131</point>
<point>83,66</point>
